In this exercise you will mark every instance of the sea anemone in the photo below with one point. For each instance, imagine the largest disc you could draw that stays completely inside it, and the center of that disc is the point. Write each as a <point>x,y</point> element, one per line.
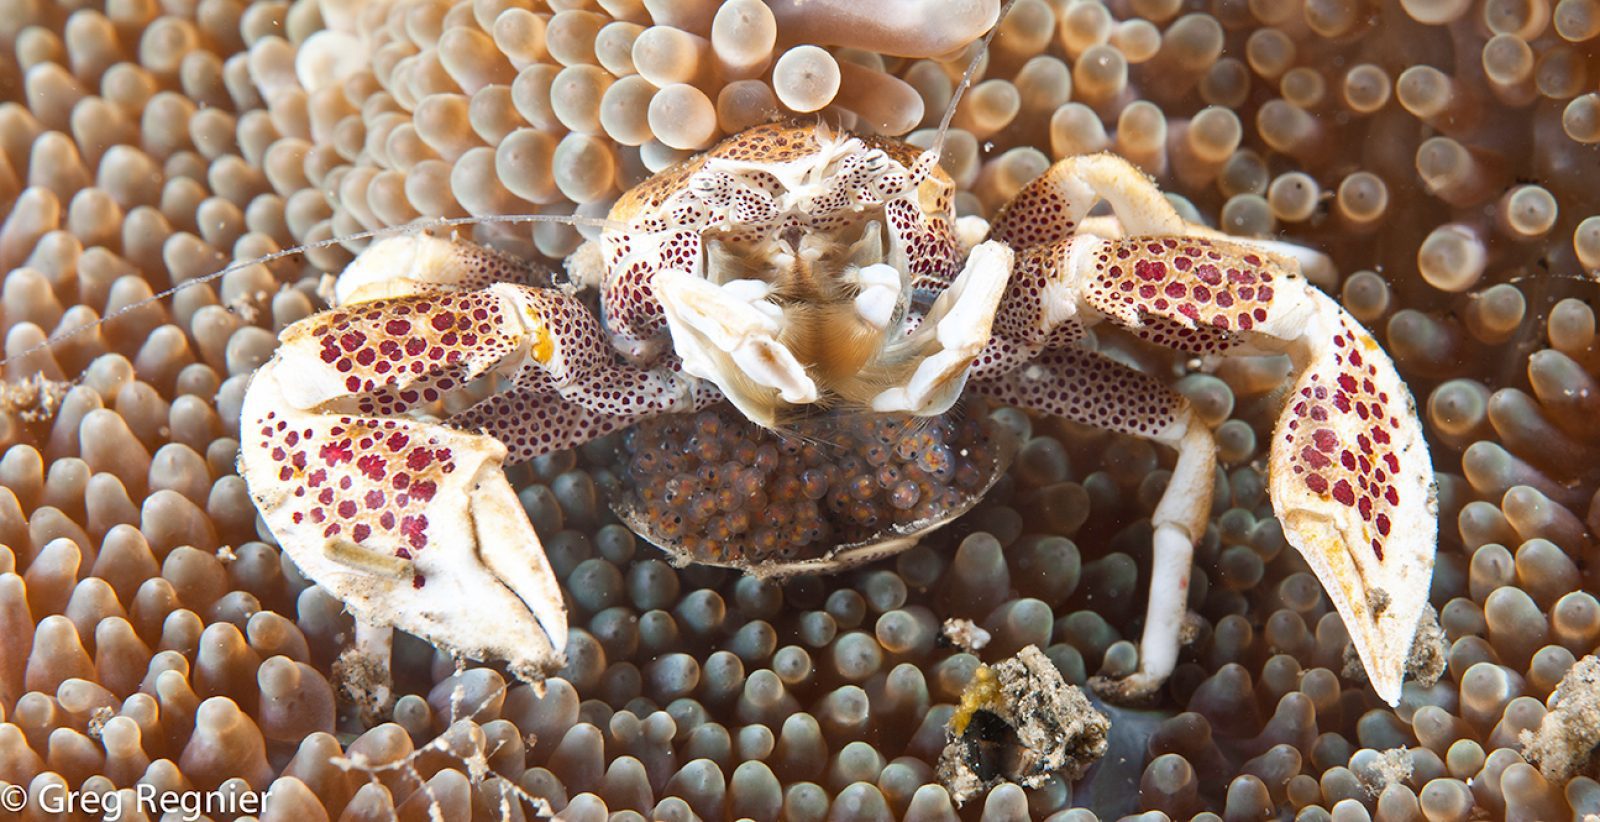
<point>1443,153</point>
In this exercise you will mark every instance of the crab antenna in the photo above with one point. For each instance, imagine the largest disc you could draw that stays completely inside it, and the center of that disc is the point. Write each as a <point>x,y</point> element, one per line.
<point>966,80</point>
<point>421,225</point>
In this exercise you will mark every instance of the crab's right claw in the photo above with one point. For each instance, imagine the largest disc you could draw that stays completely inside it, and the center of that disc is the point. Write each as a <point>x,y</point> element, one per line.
<point>416,263</point>
<point>728,334</point>
<point>951,336</point>
<point>409,523</point>
<point>1353,485</point>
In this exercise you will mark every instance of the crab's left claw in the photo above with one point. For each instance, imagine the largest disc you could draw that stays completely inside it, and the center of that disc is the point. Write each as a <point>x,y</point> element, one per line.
<point>1353,485</point>
<point>416,263</point>
<point>410,524</point>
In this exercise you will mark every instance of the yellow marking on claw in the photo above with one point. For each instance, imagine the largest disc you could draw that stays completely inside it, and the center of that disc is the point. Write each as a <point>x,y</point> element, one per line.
<point>543,346</point>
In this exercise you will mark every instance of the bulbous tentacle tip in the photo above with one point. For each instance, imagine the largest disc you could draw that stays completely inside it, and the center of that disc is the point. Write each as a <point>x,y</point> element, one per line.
<point>410,524</point>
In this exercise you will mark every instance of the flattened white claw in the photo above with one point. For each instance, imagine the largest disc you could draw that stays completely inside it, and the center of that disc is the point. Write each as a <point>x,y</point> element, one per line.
<point>1352,482</point>
<point>973,297</point>
<point>880,294</point>
<point>769,363</point>
<point>410,524</point>
<point>932,389</point>
<point>727,334</point>
<point>953,333</point>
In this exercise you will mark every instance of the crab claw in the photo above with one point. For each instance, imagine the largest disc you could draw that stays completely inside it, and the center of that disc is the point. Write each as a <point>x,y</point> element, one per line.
<point>728,334</point>
<point>1352,482</point>
<point>417,263</point>
<point>410,524</point>
<point>951,336</point>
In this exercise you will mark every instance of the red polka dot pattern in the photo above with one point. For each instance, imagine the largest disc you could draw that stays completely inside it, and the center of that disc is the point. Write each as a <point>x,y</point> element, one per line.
<point>533,423</point>
<point>1039,214</point>
<point>633,315</point>
<point>364,480</point>
<point>932,254</point>
<point>481,267</point>
<point>1341,430</point>
<point>1023,324</point>
<point>1196,283</point>
<point>395,354</point>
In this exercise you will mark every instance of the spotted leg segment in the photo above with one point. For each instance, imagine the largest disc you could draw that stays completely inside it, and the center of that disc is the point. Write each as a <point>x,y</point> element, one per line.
<point>1350,475</point>
<point>1038,311</point>
<point>1055,206</point>
<point>533,423</point>
<point>1087,387</point>
<point>413,263</point>
<point>1051,207</point>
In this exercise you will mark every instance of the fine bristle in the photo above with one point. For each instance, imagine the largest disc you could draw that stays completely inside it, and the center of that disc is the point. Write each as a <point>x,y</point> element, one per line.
<point>850,359</point>
<point>841,350</point>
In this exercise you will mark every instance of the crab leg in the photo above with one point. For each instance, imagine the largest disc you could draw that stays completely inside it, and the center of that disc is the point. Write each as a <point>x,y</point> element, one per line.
<point>533,422</point>
<point>1051,207</point>
<point>1056,206</point>
<point>414,263</point>
<point>1350,475</point>
<point>1087,387</point>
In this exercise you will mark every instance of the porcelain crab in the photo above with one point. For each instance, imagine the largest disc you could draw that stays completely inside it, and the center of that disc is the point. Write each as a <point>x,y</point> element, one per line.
<point>800,273</point>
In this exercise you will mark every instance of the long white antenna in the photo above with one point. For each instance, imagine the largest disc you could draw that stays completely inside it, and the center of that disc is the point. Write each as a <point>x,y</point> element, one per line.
<point>421,225</point>
<point>966,80</point>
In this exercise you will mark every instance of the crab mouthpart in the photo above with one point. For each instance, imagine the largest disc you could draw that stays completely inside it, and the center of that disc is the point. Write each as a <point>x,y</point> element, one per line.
<point>728,334</point>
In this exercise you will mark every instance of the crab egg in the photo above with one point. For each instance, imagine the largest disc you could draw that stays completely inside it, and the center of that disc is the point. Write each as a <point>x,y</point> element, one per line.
<point>716,488</point>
